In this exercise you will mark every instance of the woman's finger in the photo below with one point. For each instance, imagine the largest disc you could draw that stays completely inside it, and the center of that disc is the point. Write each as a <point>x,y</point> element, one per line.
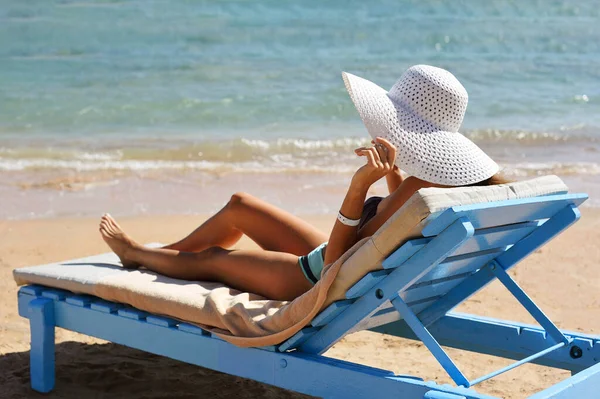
<point>368,154</point>
<point>376,157</point>
<point>391,149</point>
<point>371,157</point>
<point>360,149</point>
<point>382,151</point>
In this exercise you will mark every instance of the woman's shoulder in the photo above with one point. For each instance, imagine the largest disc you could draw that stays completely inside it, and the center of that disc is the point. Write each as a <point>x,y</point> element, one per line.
<point>412,183</point>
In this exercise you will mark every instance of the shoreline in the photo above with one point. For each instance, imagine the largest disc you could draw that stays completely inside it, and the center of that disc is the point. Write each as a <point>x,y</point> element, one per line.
<point>562,278</point>
<point>26,197</point>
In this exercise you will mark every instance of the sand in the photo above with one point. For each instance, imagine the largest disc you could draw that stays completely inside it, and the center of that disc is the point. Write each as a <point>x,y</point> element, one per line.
<point>562,277</point>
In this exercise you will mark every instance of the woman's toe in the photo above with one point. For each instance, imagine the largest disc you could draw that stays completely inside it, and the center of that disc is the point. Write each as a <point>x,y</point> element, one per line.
<point>113,223</point>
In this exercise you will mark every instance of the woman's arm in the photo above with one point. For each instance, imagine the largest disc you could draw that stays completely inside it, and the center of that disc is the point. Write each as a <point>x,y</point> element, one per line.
<point>380,160</point>
<point>391,204</point>
<point>342,236</point>
<point>393,179</point>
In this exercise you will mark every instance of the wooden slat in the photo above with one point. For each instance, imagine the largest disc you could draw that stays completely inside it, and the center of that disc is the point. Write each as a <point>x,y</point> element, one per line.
<point>105,306</point>
<point>402,254</point>
<point>458,265</point>
<point>298,339</point>
<point>366,283</point>
<point>508,259</point>
<point>388,314</point>
<point>430,291</point>
<point>496,237</point>
<point>331,312</point>
<point>501,213</point>
<point>192,329</point>
<point>79,300</point>
<point>33,290</point>
<point>483,239</point>
<point>54,294</point>
<point>132,313</point>
<point>161,320</point>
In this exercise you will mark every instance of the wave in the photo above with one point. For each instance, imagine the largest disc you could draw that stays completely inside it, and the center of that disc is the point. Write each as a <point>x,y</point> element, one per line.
<point>284,155</point>
<point>576,134</point>
<point>276,166</point>
<point>138,166</point>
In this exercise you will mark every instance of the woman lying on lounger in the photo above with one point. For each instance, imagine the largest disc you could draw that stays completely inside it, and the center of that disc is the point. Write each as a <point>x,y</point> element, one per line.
<point>414,126</point>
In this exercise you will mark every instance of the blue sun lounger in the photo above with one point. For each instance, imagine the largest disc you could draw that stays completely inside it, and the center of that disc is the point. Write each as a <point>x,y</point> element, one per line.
<point>461,251</point>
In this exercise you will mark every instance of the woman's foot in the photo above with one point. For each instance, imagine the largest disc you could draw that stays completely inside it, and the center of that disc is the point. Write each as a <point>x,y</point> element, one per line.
<point>118,241</point>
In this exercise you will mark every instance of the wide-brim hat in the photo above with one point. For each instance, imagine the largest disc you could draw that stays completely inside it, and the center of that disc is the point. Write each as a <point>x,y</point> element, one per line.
<point>421,115</point>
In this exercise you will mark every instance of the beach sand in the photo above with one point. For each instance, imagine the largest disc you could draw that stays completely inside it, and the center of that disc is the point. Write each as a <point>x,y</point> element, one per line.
<point>562,277</point>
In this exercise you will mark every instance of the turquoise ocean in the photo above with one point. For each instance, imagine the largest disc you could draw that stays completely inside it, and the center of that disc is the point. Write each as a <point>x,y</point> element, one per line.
<point>98,96</point>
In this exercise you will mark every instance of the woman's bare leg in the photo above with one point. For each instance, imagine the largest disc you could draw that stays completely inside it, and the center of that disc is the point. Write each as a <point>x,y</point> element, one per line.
<point>274,275</point>
<point>273,229</point>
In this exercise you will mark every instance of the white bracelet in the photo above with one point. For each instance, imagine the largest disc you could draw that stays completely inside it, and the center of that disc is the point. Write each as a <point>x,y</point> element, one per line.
<point>348,222</point>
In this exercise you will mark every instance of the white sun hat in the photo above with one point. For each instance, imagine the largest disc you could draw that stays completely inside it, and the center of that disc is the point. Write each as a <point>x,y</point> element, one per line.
<point>421,115</point>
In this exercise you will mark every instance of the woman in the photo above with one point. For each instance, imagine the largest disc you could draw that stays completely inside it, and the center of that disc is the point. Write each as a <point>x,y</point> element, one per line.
<point>414,125</point>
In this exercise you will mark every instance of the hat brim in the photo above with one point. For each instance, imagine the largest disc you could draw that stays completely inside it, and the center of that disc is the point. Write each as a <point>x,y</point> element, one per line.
<point>424,151</point>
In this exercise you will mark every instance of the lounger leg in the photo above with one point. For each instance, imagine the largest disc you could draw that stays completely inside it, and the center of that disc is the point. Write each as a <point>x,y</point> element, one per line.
<point>41,366</point>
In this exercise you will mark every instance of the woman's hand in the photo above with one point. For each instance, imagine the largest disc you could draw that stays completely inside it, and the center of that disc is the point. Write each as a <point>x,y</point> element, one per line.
<point>380,162</point>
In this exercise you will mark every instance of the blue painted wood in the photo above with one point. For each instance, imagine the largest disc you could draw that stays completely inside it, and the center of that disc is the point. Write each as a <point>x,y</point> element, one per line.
<point>560,221</point>
<point>387,314</point>
<point>192,329</point>
<point>132,313</point>
<point>301,372</point>
<point>460,265</point>
<point>105,306</point>
<point>504,212</point>
<point>366,283</point>
<point>529,244</point>
<point>79,300</point>
<point>270,348</point>
<point>527,303</point>
<point>23,298</point>
<point>398,280</point>
<point>483,239</point>
<point>54,294</point>
<point>404,253</point>
<point>484,246</point>
<point>41,356</point>
<point>34,290</point>
<point>519,363</point>
<point>436,350</point>
<point>503,338</point>
<point>441,395</point>
<point>425,292</point>
<point>422,301</point>
<point>581,385</point>
<point>497,237</point>
<point>297,339</point>
<point>330,312</point>
<point>161,320</point>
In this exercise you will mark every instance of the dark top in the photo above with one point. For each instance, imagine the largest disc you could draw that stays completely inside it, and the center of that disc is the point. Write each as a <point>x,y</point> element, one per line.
<point>369,210</point>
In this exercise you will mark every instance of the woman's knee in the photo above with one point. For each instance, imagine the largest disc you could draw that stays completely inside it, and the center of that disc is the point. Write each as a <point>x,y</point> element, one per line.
<point>239,198</point>
<point>240,201</point>
<point>211,253</point>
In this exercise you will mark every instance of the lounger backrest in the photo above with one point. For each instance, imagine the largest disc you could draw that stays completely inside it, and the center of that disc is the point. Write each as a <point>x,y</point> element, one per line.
<point>440,261</point>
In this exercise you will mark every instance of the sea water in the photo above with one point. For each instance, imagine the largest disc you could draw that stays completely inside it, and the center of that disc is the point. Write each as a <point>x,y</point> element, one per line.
<point>137,99</point>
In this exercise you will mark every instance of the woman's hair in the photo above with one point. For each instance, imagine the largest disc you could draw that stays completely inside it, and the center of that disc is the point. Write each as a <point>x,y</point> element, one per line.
<point>496,179</point>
